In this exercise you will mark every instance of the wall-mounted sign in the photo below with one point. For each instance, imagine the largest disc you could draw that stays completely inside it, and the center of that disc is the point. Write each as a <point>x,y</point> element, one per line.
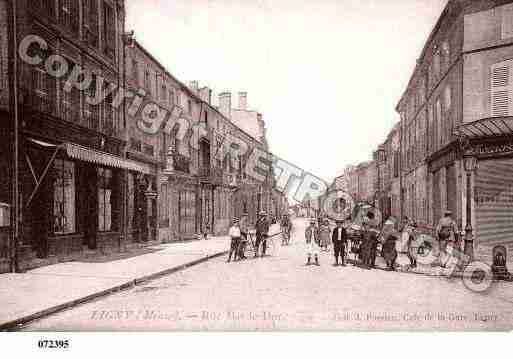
<point>490,149</point>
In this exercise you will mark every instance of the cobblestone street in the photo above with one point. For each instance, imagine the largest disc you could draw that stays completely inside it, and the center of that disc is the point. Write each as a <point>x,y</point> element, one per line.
<point>280,292</point>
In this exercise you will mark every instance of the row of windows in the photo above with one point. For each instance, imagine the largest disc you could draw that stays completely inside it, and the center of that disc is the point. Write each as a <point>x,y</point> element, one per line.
<point>441,61</point>
<point>66,12</point>
<point>421,137</point>
<point>50,96</point>
<point>165,93</point>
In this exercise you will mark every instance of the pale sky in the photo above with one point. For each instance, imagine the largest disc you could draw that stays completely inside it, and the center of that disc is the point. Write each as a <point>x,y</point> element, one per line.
<point>326,74</point>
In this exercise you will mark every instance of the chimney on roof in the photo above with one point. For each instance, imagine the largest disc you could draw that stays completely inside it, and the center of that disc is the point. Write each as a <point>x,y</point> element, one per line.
<point>225,104</point>
<point>193,85</point>
<point>206,94</point>
<point>243,100</point>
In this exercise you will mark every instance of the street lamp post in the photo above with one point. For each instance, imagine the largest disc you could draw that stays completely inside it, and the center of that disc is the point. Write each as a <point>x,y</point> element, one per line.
<point>470,164</point>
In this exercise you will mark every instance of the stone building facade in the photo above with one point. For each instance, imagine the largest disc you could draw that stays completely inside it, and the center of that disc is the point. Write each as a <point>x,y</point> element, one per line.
<point>89,181</point>
<point>70,152</point>
<point>456,123</point>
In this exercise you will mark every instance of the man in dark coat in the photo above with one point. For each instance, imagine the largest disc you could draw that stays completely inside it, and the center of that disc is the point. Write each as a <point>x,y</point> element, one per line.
<point>262,231</point>
<point>389,251</point>
<point>369,245</point>
<point>339,240</point>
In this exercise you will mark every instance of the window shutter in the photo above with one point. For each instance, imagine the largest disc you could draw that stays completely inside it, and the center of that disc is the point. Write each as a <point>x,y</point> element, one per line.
<point>438,119</point>
<point>48,6</point>
<point>109,30</point>
<point>501,89</point>
<point>75,16</point>
<point>90,13</point>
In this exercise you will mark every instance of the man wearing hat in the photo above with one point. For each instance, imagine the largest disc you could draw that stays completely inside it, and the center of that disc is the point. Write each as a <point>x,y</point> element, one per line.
<point>234,233</point>
<point>446,232</point>
<point>311,243</point>
<point>262,231</point>
<point>339,239</point>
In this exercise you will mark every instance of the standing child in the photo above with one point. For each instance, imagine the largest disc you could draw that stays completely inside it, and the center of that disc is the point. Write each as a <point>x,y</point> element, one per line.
<point>234,233</point>
<point>312,247</point>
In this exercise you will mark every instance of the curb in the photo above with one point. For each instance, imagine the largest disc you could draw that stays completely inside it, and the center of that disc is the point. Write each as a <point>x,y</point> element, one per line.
<point>16,324</point>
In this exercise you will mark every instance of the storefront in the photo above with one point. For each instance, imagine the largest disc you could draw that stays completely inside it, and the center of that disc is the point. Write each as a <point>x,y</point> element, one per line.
<point>489,144</point>
<point>72,198</point>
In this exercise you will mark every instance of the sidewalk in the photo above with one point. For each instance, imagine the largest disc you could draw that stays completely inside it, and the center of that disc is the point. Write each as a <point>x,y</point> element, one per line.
<point>43,291</point>
<point>403,265</point>
<point>39,292</point>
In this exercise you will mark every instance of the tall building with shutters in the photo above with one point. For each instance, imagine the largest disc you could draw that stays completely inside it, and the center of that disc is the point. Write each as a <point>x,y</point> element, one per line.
<point>457,109</point>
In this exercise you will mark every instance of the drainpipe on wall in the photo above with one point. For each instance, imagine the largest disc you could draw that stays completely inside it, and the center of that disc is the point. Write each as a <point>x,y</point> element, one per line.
<point>15,187</point>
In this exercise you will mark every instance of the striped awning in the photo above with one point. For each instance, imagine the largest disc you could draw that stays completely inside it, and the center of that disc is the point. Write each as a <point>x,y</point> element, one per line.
<point>488,127</point>
<point>102,158</point>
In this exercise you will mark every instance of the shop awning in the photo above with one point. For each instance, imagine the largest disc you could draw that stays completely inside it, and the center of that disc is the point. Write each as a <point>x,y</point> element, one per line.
<point>102,158</point>
<point>488,127</point>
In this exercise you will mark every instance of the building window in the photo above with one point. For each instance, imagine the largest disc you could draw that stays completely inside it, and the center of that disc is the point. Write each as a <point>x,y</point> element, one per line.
<point>64,197</point>
<point>70,98</point>
<point>447,95</point>
<point>448,118</point>
<point>446,50</point>
<point>436,65</point>
<point>41,84</point>
<point>147,80</point>
<point>91,112</point>
<point>171,97</point>
<point>109,117</point>
<point>105,186</point>
<point>90,14</point>
<point>68,12</point>
<point>438,121</point>
<point>131,199</point>
<point>189,107</point>
<point>109,31</point>
<point>501,89</point>
<point>5,214</point>
<point>163,93</point>
<point>46,7</point>
<point>507,21</point>
<point>135,71</point>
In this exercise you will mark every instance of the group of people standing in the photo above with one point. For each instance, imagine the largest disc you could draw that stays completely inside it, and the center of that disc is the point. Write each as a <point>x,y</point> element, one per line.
<point>319,237</point>
<point>364,242</point>
<point>239,236</point>
<point>322,237</point>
